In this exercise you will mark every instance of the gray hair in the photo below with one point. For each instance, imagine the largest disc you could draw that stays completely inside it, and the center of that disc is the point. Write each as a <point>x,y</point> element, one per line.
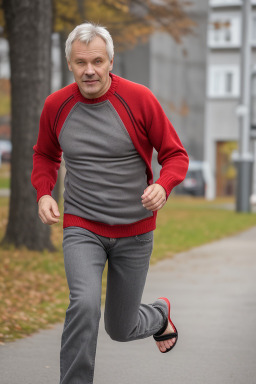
<point>85,33</point>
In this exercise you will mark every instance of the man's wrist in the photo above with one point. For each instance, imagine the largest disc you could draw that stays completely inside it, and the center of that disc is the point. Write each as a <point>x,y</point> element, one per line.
<point>43,197</point>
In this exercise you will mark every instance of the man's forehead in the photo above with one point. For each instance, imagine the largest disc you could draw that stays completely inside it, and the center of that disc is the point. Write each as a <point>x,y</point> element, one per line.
<point>96,45</point>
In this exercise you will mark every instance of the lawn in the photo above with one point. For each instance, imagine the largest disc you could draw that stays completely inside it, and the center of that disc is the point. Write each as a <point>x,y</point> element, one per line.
<point>5,176</point>
<point>33,289</point>
<point>5,98</point>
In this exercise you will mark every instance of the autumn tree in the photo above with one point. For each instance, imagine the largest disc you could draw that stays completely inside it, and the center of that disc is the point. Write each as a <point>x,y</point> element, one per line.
<point>28,27</point>
<point>128,21</point>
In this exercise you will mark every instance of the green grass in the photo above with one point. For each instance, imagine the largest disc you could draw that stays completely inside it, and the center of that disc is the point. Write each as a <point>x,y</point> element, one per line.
<point>5,176</point>
<point>4,183</point>
<point>186,223</point>
<point>5,97</point>
<point>5,104</point>
<point>33,288</point>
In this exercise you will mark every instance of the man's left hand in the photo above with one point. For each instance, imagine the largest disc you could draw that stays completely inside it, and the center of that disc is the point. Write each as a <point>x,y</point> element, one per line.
<point>154,197</point>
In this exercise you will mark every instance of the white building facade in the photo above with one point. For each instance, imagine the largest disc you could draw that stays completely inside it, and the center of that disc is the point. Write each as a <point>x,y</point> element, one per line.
<point>223,90</point>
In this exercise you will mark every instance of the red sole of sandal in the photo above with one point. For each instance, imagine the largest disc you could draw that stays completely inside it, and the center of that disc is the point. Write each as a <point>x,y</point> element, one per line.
<point>169,311</point>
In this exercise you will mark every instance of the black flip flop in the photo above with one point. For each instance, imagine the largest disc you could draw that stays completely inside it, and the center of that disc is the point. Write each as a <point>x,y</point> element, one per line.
<point>168,336</point>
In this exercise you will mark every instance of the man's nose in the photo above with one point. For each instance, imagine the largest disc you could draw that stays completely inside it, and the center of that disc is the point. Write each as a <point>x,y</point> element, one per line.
<point>89,71</point>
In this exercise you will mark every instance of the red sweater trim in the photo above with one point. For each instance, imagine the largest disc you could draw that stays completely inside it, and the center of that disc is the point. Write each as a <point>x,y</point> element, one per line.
<point>114,231</point>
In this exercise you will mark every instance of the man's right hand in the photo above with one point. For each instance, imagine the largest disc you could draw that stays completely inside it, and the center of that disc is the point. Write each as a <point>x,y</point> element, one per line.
<point>48,210</point>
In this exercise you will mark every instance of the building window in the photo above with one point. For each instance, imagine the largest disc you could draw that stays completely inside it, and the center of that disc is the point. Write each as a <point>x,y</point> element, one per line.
<point>229,83</point>
<point>223,81</point>
<point>224,31</point>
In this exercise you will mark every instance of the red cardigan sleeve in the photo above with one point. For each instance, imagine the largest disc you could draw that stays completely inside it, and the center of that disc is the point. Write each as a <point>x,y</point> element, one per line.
<point>47,155</point>
<point>171,154</point>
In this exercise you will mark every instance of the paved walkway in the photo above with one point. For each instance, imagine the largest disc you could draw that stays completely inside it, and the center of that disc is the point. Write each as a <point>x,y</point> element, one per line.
<point>4,192</point>
<point>213,294</point>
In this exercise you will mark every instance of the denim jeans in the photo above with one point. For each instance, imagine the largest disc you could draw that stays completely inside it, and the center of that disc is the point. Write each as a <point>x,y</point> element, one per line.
<point>126,319</point>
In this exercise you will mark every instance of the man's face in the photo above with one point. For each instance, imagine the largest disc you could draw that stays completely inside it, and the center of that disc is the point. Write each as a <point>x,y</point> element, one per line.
<point>90,66</point>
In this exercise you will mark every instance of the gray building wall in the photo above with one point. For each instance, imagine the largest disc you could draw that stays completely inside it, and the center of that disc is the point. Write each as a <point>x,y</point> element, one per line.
<point>176,73</point>
<point>178,79</point>
<point>134,64</point>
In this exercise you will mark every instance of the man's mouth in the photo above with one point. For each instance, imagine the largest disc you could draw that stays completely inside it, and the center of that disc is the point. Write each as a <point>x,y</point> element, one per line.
<point>90,81</point>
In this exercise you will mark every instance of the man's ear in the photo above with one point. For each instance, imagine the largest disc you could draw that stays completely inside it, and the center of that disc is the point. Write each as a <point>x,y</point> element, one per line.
<point>69,66</point>
<point>111,64</point>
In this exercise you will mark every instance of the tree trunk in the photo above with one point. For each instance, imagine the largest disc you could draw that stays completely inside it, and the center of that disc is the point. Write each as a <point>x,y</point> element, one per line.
<point>29,27</point>
<point>65,74</point>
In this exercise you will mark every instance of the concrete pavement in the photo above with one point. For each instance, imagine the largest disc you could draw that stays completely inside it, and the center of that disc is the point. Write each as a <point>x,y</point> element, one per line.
<point>213,294</point>
<point>4,192</point>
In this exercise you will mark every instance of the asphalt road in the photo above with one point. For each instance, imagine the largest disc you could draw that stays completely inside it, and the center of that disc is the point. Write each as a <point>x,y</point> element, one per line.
<point>213,294</point>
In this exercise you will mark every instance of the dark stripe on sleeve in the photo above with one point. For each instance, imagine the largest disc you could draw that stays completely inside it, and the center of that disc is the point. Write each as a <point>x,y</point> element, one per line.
<point>59,112</point>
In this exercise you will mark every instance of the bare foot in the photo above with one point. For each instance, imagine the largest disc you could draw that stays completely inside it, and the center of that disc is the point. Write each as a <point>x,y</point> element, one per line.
<point>164,345</point>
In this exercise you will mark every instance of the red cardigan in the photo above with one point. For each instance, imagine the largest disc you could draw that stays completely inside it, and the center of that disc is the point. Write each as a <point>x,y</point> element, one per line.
<point>148,127</point>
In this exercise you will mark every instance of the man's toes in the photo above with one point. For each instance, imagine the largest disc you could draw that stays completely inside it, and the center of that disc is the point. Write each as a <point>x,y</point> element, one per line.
<point>162,348</point>
<point>164,345</point>
<point>167,344</point>
<point>171,342</point>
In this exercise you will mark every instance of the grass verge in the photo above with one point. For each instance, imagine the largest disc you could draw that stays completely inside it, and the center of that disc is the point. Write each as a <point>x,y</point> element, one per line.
<point>5,176</point>
<point>33,289</point>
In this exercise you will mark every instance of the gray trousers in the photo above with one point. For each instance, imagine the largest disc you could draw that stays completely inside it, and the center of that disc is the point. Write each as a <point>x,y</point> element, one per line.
<point>126,319</point>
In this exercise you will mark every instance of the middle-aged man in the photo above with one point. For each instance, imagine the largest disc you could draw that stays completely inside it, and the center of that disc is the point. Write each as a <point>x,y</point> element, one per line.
<point>106,127</point>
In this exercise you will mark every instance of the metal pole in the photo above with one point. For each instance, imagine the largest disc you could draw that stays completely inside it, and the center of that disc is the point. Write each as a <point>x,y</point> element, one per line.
<point>245,160</point>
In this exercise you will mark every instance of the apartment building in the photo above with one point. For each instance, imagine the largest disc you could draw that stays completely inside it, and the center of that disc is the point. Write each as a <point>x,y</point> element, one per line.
<point>223,90</point>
